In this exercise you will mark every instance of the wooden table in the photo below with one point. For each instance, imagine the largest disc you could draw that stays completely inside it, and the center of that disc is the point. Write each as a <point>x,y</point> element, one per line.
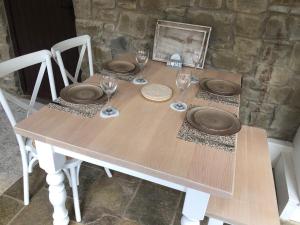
<point>140,142</point>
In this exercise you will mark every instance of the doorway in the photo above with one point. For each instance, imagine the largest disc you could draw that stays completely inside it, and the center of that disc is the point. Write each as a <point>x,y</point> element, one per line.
<point>35,25</point>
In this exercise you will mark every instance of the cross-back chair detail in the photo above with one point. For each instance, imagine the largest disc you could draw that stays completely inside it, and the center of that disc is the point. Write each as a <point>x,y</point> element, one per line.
<point>84,42</point>
<point>28,153</point>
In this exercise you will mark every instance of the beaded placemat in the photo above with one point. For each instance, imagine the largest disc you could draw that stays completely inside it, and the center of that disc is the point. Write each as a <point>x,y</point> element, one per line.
<point>191,134</point>
<point>228,100</point>
<point>127,77</point>
<point>86,111</point>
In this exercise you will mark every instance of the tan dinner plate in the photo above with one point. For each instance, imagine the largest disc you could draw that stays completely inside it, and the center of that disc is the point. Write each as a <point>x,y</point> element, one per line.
<point>81,93</point>
<point>120,66</point>
<point>220,87</point>
<point>213,121</point>
<point>157,92</point>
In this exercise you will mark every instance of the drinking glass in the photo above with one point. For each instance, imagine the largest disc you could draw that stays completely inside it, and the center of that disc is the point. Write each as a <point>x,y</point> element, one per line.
<point>196,57</point>
<point>183,81</point>
<point>142,56</point>
<point>109,86</point>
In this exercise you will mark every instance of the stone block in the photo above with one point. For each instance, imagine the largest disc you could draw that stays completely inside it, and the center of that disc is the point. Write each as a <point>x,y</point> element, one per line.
<point>260,119</point>
<point>127,4</point>
<point>279,95</point>
<point>223,59</point>
<point>253,6</point>
<point>244,115</point>
<point>221,23</point>
<point>104,4</point>
<point>247,47</point>
<point>175,11</point>
<point>295,10</point>
<point>251,94</point>
<point>244,64</point>
<point>253,83</point>
<point>276,27</point>
<point>155,5</point>
<point>109,27</point>
<point>105,15</point>
<point>279,8</point>
<point>263,72</point>
<point>280,76</point>
<point>294,61</point>
<point>133,24</point>
<point>101,54</point>
<point>250,25</point>
<point>286,118</point>
<point>295,99</point>
<point>82,9</point>
<point>275,53</point>
<point>294,27</point>
<point>211,4</point>
<point>177,3</point>
<point>92,28</point>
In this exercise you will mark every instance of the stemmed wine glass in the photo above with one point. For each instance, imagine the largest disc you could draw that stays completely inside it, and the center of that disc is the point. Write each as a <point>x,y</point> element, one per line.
<point>183,81</point>
<point>142,56</point>
<point>196,57</point>
<point>109,86</point>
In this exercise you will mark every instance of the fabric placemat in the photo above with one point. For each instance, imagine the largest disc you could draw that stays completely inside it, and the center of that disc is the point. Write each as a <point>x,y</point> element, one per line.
<point>85,111</point>
<point>127,77</point>
<point>191,134</point>
<point>228,100</point>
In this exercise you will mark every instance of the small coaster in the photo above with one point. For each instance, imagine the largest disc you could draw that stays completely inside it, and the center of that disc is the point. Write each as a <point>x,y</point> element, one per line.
<point>179,106</point>
<point>109,113</point>
<point>139,81</point>
<point>194,80</point>
<point>156,92</point>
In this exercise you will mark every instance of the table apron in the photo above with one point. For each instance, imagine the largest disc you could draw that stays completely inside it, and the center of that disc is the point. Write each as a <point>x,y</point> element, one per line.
<point>119,169</point>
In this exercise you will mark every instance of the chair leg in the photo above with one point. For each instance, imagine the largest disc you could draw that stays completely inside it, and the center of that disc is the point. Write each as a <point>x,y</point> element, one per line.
<point>26,186</point>
<point>75,194</point>
<point>108,172</point>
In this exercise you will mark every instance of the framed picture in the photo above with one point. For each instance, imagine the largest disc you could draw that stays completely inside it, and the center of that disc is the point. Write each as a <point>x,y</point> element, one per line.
<point>181,38</point>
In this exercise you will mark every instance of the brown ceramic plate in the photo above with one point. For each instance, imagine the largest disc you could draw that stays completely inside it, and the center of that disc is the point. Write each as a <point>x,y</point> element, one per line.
<point>81,93</point>
<point>220,87</point>
<point>120,66</point>
<point>213,121</point>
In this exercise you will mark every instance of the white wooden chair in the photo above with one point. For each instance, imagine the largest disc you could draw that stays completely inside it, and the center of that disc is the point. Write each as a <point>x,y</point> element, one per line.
<point>27,149</point>
<point>84,42</point>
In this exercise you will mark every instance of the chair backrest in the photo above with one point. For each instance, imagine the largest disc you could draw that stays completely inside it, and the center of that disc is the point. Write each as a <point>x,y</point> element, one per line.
<point>84,42</point>
<point>7,68</point>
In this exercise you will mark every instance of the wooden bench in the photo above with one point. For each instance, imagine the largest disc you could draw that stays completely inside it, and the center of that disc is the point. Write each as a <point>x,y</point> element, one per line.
<point>254,200</point>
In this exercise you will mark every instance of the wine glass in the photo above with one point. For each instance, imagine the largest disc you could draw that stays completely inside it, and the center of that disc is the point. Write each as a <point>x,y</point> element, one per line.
<point>183,81</point>
<point>109,86</point>
<point>142,56</point>
<point>196,57</point>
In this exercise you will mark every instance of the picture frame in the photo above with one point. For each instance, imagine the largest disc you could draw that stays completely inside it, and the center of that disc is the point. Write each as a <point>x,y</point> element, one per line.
<point>182,38</point>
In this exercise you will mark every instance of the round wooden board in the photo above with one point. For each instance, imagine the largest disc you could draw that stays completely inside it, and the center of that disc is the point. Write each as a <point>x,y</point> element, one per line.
<point>157,92</point>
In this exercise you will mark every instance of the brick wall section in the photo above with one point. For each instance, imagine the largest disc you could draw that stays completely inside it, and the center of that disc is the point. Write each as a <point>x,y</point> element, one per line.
<point>258,38</point>
<point>9,83</point>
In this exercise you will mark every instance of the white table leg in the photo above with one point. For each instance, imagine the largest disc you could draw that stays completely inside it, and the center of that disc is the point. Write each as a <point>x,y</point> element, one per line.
<point>194,207</point>
<point>52,163</point>
<point>213,221</point>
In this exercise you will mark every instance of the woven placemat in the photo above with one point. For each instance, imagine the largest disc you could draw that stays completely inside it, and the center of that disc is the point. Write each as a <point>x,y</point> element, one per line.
<point>121,76</point>
<point>191,134</point>
<point>85,111</point>
<point>228,100</point>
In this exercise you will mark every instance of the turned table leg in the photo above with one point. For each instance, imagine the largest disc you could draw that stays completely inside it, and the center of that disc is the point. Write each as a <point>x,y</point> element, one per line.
<point>194,208</point>
<point>52,163</point>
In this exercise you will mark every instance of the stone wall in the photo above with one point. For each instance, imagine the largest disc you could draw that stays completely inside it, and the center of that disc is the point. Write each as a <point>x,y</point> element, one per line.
<point>258,38</point>
<point>9,83</point>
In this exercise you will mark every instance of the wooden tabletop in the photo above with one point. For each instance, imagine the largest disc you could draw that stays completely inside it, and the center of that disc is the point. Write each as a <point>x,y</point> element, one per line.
<point>143,137</point>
